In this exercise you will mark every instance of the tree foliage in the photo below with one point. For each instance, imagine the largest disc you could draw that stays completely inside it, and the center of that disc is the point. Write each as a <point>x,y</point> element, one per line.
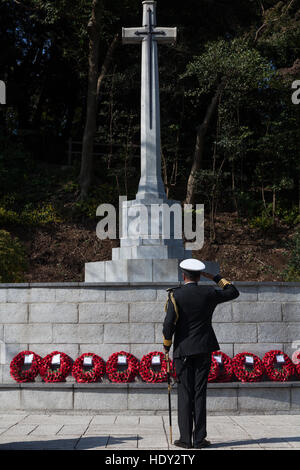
<point>250,154</point>
<point>13,260</point>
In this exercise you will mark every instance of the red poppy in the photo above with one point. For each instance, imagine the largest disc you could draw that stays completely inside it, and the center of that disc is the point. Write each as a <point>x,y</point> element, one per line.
<point>93,374</point>
<point>248,373</point>
<point>16,367</point>
<point>126,375</point>
<point>59,375</point>
<point>297,362</point>
<point>214,370</point>
<point>225,369</point>
<point>276,371</point>
<point>147,371</point>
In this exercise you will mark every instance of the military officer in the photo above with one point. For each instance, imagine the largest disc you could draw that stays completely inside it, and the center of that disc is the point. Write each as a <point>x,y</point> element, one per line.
<point>189,311</point>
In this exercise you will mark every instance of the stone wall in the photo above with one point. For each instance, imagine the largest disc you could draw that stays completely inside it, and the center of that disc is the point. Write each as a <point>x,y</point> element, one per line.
<point>140,398</point>
<point>79,317</point>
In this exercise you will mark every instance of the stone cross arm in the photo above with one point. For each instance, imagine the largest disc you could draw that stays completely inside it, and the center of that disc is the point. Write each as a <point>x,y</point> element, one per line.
<point>161,35</point>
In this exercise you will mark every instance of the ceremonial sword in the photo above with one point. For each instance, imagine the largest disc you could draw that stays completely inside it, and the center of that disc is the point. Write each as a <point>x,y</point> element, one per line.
<point>169,394</point>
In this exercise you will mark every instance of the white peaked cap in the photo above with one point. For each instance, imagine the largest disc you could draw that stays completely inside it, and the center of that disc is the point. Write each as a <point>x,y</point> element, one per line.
<point>192,264</point>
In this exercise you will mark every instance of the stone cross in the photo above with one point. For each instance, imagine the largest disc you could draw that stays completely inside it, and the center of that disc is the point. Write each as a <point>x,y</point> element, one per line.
<point>151,184</point>
<point>149,254</point>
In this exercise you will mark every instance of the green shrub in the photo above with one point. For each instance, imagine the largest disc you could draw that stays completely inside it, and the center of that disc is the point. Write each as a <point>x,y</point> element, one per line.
<point>263,222</point>
<point>291,275</point>
<point>41,215</point>
<point>13,261</point>
<point>288,215</point>
<point>30,215</point>
<point>104,193</point>
<point>70,187</point>
<point>8,216</point>
<point>292,271</point>
<point>87,207</point>
<point>247,205</point>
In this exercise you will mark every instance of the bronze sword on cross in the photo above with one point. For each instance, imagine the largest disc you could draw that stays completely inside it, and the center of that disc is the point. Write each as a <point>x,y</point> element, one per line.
<point>149,32</point>
<point>149,36</point>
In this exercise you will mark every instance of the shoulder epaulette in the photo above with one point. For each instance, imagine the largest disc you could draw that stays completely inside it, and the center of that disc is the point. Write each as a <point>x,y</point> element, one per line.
<point>172,288</point>
<point>172,299</point>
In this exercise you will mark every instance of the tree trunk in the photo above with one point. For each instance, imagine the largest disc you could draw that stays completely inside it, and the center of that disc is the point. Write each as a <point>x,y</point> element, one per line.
<point>94,89</point>
<point>107,62</point>
<point>91,111</point>
<point>233,188</point>
<point>214,202</point>
<point>263,195</point>
<point>95,80</point>
<point>199,147</point>
<point>299,194</point>
<point>165,174</point>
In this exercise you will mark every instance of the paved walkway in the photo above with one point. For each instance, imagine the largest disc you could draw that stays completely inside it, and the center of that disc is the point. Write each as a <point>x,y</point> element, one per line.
<point>58,431</point>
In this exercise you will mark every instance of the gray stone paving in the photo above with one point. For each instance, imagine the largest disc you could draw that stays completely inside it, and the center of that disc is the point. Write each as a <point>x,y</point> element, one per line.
<point>20,430</point>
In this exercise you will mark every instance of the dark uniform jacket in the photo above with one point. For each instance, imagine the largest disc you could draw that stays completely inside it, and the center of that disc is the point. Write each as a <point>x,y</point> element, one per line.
<point>189,311</point>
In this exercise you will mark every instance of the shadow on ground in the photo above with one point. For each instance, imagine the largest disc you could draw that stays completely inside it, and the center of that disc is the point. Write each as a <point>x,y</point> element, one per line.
<point>261,441</point>
<point>101,442</point>
<point>80,443</point>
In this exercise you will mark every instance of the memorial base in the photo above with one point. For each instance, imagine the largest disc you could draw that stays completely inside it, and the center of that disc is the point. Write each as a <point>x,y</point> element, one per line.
<point>141,398</point>
<point>140,270</point>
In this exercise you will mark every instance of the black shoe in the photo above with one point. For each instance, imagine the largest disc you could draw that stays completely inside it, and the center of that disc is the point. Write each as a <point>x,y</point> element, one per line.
<point>202,444</point>
<point>182,444</point>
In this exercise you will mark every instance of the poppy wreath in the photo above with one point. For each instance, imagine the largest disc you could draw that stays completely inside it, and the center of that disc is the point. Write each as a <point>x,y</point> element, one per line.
<point>127,375</point>
<point>58,375</point>
<point>251,374</point>
<point>297,364</point>
<point>24,375</point>
<point>225,371</point>
<point>281,374</point>
<point>214,370</point>
<point>150,375</point>
<point>91,375</point>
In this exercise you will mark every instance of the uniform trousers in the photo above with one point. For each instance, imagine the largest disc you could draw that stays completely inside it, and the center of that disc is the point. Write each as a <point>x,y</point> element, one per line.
<point>192,386</point>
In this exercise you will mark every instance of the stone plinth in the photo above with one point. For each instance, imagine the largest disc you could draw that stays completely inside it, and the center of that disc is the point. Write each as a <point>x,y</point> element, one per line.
<point>102,398</point>
<point>140,270</point>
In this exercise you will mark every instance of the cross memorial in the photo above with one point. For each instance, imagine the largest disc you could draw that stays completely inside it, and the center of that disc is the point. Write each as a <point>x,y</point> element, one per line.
<point>152,256</point>
<point>149,35</point>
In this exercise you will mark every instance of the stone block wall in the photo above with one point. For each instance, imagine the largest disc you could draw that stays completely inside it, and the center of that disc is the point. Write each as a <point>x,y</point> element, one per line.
<point>78,317</point>
<point>140,398</point>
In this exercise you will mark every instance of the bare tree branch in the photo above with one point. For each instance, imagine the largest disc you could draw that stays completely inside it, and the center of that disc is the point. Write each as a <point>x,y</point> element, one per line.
<point>267,23</point>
